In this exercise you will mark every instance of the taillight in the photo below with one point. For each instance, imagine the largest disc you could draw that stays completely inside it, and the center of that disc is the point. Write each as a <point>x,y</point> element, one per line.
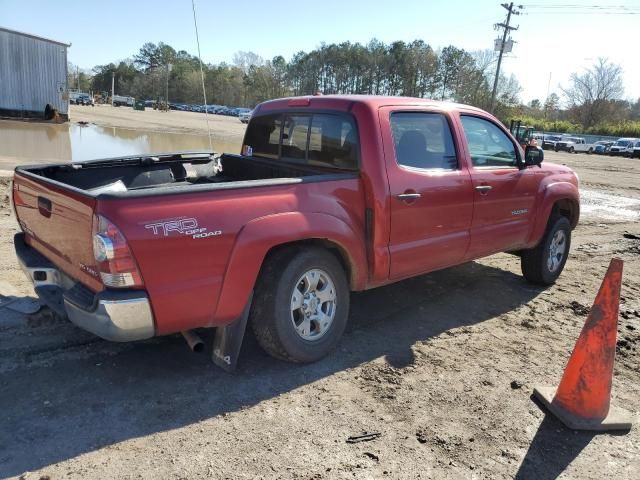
<point>114,260</point>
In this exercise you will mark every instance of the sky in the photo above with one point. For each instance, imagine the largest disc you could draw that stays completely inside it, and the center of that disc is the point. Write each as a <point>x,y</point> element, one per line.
<point>551,43</point>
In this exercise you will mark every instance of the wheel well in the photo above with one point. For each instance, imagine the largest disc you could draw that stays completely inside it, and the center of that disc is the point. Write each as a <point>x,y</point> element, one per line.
<point>336,250</point>
<point>566,208</point>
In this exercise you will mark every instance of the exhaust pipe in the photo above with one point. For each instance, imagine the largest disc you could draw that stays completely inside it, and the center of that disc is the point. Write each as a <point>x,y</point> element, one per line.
<point>193,340</point>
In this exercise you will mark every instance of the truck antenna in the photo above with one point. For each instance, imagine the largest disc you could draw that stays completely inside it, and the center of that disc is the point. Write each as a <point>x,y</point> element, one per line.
<point>204,92</point>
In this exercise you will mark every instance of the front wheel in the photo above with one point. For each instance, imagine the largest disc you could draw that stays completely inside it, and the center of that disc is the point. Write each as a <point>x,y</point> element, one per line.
<point>301,304</point>
<point>544,263</point>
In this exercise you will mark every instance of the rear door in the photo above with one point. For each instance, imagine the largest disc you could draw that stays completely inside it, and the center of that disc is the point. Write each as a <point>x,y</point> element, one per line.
<point>504,195</point>
<point>431,192</point>
<point>58,223</point>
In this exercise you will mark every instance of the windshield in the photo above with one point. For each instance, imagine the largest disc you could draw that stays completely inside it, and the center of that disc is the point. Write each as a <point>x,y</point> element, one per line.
<point>622,143</point>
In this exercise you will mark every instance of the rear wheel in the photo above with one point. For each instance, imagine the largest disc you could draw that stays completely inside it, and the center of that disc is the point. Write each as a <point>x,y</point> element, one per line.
<point>301,304</point>
<point>544,263</point>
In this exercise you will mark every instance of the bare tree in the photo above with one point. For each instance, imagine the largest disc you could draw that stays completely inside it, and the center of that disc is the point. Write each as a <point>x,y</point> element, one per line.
<point>245,60</point>
<point>590,93</point>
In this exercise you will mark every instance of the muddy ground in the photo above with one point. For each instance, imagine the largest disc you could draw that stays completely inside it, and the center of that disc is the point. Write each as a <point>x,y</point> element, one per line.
<point>442,367</point>
<point>149,119</point>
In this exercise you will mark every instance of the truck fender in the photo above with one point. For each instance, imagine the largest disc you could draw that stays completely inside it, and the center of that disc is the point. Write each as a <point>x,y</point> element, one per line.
<point>260,235</point>
<point>553,193</point>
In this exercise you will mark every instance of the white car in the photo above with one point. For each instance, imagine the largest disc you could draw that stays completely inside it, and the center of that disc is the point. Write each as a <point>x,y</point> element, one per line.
<point>636,150</point>
<point>623,147</point>
<point>245,116</point>
<point>574,145</point>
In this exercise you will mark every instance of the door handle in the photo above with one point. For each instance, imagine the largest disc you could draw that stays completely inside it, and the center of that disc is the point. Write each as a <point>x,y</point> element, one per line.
<point>408,196</point>
<point>484,188</point>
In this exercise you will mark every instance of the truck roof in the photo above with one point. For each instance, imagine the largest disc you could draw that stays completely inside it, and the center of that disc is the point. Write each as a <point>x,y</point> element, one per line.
<point>345,102</point>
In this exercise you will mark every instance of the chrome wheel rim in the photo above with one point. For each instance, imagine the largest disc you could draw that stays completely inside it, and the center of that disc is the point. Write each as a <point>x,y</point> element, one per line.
<point>313,305</point>
<point>557,250</point>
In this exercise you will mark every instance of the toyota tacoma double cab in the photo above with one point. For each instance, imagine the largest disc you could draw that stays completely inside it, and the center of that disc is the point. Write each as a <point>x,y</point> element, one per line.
<point>330,194</point>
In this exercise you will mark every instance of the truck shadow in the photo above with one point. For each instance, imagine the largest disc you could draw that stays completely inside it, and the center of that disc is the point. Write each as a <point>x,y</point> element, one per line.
<point>72,405</point>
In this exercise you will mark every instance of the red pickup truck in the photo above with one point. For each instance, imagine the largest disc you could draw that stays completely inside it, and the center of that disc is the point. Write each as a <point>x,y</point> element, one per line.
<point>330,194</point>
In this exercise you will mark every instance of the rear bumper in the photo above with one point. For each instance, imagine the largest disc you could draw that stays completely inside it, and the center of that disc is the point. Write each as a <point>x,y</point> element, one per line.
<point>119,316</point>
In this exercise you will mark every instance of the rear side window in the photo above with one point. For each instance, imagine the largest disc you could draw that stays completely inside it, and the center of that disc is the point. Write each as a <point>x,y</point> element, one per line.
<point>321,139</point>
<point>489,146</point>
<point>423,140</point>
<point>264,136</point>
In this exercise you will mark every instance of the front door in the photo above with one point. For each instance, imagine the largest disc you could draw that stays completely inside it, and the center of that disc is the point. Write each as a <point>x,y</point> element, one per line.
<point>431,192</point>
<point>504,195</point>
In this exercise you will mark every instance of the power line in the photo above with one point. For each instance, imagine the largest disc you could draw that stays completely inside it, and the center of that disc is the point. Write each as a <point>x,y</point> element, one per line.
<point>506,28</point>
<point>582,9</point>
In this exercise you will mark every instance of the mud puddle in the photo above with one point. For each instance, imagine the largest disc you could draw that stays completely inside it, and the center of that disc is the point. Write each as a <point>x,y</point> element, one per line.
<point>35,142</point>
<point>596,204</point>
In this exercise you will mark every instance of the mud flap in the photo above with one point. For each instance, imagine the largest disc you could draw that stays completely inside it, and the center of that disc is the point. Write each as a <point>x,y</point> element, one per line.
<point>228,341</point>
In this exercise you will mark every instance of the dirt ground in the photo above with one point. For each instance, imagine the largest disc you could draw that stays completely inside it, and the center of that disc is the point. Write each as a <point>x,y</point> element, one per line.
<point>172,121</point>
<point>441,366</point>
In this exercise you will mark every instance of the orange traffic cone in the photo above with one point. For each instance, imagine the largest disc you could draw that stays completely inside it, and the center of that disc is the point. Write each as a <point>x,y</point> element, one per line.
<point>582,401</point>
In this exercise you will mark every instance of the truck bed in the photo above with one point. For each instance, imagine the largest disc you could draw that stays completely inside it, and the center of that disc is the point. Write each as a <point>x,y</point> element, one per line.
<point>173,173</point>
<point>56,203</point>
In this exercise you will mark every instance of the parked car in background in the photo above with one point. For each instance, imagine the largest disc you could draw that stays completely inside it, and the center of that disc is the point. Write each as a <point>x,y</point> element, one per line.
<point>119,101</point>
<point>549,142</point>
<point>636,150</point>
<point>538,137</point>
<point>85,100</point>
<point>571,144</point>
<point>245,115</point>
<point>602,146</point>
<point>80,98</point>
<point>623,147</point>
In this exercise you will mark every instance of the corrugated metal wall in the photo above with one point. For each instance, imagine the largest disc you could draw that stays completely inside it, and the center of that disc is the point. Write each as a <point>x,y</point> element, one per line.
<point>33,73</point>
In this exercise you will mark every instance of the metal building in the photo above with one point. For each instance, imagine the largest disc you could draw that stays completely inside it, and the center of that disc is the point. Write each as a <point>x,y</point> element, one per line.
<point>33,76</point>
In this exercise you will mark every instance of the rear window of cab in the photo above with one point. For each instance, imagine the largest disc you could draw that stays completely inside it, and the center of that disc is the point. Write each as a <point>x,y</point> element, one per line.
<point>320,139</point>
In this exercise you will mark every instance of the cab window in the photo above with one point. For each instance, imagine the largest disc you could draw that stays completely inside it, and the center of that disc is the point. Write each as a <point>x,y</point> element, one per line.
<point>489,146</point>
<point>423,140</point>
<point>322,139</point>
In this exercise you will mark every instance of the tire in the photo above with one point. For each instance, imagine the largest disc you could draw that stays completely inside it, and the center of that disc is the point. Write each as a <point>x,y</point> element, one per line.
<point>571,150</point>
<point>537,265</point>
<point>279,325</point>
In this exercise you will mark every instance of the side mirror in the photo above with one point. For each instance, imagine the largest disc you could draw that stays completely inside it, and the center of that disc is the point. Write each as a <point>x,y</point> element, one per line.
<point>533,155</point>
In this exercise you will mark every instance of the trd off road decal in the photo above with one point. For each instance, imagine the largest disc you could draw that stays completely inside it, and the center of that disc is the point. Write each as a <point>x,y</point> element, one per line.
<point>181,226</point>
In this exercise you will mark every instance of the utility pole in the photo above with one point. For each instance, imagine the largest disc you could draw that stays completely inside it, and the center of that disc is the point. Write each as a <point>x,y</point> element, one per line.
<point>78,75</point>
<point>512,10</point>
<point>546,100</point>
<point>166,98</point>
<point>113,84</point>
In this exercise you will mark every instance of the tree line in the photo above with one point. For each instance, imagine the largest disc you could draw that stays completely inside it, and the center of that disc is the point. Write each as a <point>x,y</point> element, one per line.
<point>593,98</point>
<point>399,68</point>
